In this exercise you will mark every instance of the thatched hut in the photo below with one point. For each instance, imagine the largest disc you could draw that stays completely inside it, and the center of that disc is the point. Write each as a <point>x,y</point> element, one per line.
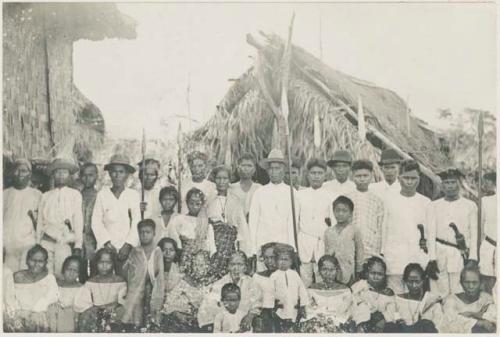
<point>42,107</point>
<point>244,120</point>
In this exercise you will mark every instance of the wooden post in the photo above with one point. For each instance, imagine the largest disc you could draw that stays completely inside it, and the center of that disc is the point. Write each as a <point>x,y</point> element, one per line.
<point>480,132</point>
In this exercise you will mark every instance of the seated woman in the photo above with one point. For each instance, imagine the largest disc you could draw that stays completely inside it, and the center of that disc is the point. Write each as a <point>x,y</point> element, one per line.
<point>62,316</point>
<point>375,305</point>
<point>34,290</point>
<point>331,303</point>
<point>191,231</point>
<point>419,311</point>
<point>227,218</point>
<point>251,295</point>
<point>101,299</point>
<point>471,311</point>
<point>184,295</point>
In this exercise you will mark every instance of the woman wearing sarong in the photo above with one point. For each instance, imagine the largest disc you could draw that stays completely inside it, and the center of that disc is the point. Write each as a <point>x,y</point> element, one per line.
<point>62,316</point>
<point>471,311</point>
<point>227,219</point>
<point>191,231</point>
<point>375,306</point>
<point>143,272</point>
<point>251,295</point>
<point>418,310</point>
<point>183,298</point>
<point>331,303</point>
<point>34,290</point>
<point>101,299</point>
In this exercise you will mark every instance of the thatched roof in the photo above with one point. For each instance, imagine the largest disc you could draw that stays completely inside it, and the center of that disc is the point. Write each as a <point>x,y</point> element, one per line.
<point>93,21</point>
<point>314,88</point>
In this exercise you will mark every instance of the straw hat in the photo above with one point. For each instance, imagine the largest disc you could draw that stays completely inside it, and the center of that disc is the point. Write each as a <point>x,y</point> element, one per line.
<point>63,163</point>
<point>340,156</point>
<point>120,159</point>
<point>275,156</point>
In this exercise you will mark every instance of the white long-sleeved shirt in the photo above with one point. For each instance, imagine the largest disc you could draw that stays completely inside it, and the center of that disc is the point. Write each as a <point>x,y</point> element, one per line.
<point>111,221</point>
<point>463,213</point>
<point>490,216</point>
<point>18,228</point>
<point>152,198</point>
<point>315,206</point>
<point>340,188</point>
<point>206,186</point>
<point>381,188</point>
<point>289,289</point>
<point>56,206</point>
<point>186,225</point>
<point>244,197</point>
<point>270,218</point>
<point>400,234</point>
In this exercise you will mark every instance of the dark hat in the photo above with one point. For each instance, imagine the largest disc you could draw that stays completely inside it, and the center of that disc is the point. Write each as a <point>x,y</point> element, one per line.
<point>120,159</point>
<point>340,156</point>
<point>451,173</point>
<point>389,156</point>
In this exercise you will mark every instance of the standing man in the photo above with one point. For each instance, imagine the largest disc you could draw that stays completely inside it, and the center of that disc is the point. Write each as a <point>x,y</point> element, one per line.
<point>151,205</point>
<point>368,215</point>
<point>401,242</point>
<point>116,212</point>
<point>197,162</point>
<point>294,175</point>
<point>487,251</point>
<point>463,213</point>
<point>246,187</point>
<point>315,203</point>
<point>389,163</point>
<point>88,177</point>
<point>60,216</point>
<point>270,218</point>
<point>20,208</point>
<point>341,166</point>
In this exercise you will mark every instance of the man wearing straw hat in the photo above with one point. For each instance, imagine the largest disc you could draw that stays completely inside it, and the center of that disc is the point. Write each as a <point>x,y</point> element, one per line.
<point>60,218</point>
<point>341,166</point>
<point>389,164</point>
<point>116,210</point>
<point>20,206</point>
<point>270,217</point>
<point>463,213</point>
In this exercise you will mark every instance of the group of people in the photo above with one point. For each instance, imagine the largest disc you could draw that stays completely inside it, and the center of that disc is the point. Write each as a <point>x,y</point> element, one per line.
<point>345,255</point>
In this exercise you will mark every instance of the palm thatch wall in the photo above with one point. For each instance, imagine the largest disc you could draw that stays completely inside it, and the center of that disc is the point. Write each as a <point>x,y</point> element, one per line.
<point>245,120</point>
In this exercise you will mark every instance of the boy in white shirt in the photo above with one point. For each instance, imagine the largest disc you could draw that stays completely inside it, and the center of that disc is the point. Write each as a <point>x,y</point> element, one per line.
<point>291,296</point>
<point>229,319</point>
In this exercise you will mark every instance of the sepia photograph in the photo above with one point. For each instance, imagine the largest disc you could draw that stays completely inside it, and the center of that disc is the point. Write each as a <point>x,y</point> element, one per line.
<point>249,167</point>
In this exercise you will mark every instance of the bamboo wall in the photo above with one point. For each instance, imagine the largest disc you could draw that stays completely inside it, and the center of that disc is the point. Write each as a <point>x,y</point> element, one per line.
<point>25,105</point>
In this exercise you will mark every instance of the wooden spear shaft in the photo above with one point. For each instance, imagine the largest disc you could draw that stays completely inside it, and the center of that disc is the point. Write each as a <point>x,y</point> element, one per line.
<point>480,132</point>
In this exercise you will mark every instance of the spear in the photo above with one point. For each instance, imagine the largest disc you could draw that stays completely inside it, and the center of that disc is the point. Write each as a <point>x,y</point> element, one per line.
<point>143,150</point>
<point>480,132</point>
<point>284,110</point>
<point>179,168</point>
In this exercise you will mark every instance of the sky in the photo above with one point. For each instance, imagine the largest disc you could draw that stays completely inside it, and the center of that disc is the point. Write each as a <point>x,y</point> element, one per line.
<point>434,55</point>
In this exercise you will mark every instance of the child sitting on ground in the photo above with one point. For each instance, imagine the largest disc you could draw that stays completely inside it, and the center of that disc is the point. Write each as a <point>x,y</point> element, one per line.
<point>62,317</point>
<point>229,319</point>
<point>291,294</point>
